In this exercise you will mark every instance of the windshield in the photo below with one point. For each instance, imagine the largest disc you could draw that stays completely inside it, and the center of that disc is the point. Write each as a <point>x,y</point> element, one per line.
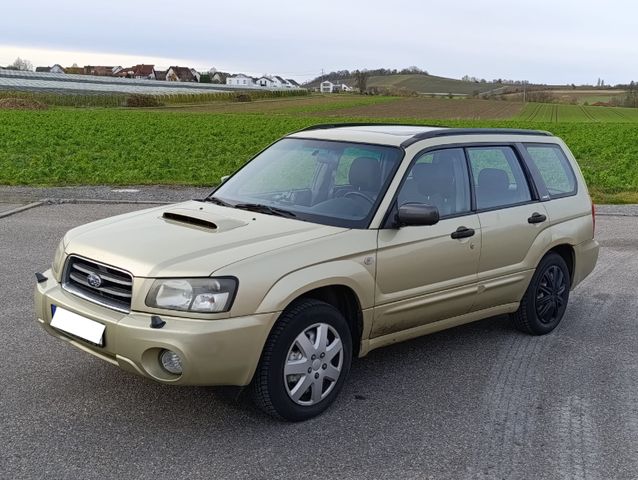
<point>334,183</point>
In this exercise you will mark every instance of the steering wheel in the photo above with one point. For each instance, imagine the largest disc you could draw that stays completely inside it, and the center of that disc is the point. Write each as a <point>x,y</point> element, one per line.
<point>361,195</point>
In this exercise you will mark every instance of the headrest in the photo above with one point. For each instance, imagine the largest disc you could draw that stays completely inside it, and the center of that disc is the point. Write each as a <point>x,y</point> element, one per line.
<point>493,179</point>
<point>432,178</point>
<point>365,174</point>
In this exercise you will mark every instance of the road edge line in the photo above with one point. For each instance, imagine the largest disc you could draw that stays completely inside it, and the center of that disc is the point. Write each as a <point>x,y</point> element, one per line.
<point>13,211</point>
<point>61,201</point>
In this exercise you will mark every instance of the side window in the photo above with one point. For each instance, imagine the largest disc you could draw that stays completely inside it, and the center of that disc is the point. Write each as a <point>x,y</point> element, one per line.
<point>499,180</point>
<point>440,179</point>
<point>554,169</point>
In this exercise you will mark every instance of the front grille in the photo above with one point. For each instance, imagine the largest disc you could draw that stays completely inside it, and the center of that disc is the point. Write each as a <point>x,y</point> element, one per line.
<point>98,283</point>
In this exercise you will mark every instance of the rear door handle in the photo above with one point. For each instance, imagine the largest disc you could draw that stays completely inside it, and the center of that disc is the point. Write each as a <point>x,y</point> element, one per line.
<point>536,218</point>
<point>462,232</point>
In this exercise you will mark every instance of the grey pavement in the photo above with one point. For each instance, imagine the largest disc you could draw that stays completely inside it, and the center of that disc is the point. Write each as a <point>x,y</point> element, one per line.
<point>618,210</point>
<point>4,207</point>
<point>478,401</point>
<point>145,193</point>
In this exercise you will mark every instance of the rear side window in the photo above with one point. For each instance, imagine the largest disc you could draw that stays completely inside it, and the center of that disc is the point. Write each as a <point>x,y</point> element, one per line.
<point>499,180</point>
<point>554,169</point>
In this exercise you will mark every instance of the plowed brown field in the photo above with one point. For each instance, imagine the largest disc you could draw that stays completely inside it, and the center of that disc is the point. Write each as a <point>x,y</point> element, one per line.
<point>434,108</point>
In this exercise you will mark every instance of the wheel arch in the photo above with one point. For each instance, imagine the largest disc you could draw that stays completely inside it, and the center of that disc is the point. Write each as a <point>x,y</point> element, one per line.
<point>567,253</point>
<point>344,299</point>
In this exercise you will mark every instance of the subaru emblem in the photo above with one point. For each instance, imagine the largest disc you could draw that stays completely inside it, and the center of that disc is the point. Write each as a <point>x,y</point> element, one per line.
<point>94,280</point>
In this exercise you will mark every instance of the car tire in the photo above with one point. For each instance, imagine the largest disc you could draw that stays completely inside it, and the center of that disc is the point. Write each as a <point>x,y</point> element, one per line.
<point>545,301</point>
<point>295,380</point>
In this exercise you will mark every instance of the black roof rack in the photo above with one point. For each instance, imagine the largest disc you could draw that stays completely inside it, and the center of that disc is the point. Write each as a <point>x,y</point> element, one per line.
<point>447,132</point>
<point>325,126</point>
<point>440,132</point>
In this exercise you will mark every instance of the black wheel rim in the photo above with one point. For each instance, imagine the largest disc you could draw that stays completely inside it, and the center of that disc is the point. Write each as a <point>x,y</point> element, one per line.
<point>551,294</point>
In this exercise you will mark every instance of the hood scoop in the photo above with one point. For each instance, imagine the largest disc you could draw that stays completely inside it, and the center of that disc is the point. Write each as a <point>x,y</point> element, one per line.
<point>201,219</point>
<point>198,222</point>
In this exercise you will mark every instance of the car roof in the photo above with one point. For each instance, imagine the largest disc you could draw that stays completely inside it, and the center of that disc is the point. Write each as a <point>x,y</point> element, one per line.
<point>397,135</point>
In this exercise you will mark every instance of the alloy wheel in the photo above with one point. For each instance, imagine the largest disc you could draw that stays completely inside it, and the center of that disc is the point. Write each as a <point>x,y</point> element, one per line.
<point>551,294</point>
<point>313,364</point>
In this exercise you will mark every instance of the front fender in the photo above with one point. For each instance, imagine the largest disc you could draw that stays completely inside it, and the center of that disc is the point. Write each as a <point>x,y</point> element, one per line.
<point>350,273</point>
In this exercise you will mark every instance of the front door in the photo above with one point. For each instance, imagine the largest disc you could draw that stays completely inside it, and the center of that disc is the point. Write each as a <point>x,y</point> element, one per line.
<point>429,273</point>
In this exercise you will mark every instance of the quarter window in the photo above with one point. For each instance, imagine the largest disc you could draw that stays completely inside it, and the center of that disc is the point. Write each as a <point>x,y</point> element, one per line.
<point>499,180</point>
<point>440,179</point>
<point>554,169</point>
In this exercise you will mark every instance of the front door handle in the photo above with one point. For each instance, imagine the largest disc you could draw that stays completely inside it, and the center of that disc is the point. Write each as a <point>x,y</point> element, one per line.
<point>462,232</point>
<point>536,218</point>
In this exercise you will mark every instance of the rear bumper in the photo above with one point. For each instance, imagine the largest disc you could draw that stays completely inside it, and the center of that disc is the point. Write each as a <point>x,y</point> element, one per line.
<point>586,256</point>
<point>213,352</point>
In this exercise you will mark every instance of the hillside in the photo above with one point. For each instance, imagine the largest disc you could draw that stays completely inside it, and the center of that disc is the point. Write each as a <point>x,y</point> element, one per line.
<point>420,83</point>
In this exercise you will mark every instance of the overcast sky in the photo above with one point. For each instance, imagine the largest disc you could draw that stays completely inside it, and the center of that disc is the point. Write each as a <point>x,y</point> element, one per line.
<point>542,41</point>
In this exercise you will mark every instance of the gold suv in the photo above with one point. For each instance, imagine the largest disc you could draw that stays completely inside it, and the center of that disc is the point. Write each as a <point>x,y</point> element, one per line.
<point>332,242</point>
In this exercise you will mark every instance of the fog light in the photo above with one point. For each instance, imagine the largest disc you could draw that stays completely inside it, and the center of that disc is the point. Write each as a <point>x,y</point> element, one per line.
<point>171,362</point>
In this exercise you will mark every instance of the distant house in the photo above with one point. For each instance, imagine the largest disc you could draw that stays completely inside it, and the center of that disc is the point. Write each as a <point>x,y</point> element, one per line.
<point>273,82</point>
<point>181,74</point>
<point>54,69</point>
<point>219,77</point>
<point>144,72</point>
<point>240,80</point>
<point>265,81</point>
<point>329,87</point>
<point>293,83</point>
<point>160,75</point>
<point>140,71</point>
<point>326,87</point>
<point>196,74</point>
<point>280,82</point>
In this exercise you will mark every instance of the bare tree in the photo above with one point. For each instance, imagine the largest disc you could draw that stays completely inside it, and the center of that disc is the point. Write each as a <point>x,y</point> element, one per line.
<point>361,77</point>
<point>21,64</point>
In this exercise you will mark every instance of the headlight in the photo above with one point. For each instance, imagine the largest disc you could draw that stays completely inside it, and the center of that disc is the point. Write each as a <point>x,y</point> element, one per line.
<point>58,259</point>
<point>203,295</point>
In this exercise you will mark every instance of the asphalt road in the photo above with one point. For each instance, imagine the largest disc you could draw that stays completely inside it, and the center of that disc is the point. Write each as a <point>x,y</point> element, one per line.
<point>478,401</point>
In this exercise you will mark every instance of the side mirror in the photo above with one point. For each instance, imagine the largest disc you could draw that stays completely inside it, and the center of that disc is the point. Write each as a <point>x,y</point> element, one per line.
<point>417,214</point>
<point>225,177</point>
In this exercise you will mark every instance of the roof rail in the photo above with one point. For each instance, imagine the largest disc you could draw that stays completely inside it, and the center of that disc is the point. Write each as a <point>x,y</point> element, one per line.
<point>325,126</point>
<point>446,132</point>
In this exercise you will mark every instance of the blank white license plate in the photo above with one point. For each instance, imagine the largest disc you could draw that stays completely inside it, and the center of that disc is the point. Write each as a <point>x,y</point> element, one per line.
<point>78,325</point>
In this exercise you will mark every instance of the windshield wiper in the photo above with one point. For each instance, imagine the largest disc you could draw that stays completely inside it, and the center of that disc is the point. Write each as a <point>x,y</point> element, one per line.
<point>258,207</point>
<point>215,200</point>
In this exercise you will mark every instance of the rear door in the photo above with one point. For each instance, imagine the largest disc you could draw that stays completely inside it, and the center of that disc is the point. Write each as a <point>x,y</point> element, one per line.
<point>511,218</point>
<point>424,274</point>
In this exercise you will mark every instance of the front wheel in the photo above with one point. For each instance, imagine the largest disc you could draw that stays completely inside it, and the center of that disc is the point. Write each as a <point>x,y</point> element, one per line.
<point>305,361</point>
<point>545,301</point>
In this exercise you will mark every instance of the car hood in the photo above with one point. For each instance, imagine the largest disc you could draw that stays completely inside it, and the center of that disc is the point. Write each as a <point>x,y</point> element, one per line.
<point>191,239</point>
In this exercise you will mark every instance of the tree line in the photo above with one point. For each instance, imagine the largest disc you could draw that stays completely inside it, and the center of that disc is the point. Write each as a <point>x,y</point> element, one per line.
<point>349,74</point>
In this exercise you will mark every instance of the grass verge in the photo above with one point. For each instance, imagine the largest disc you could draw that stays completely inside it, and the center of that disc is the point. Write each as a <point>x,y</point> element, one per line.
<point>125,147</point>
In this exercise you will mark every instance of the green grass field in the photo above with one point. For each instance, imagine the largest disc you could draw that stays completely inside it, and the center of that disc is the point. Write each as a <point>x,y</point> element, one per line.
<point>557,113</point>
<point>64,146</point>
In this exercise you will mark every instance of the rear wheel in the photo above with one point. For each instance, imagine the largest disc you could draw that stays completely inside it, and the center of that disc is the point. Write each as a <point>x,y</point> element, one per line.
<point>305,361</point>
<point>545,301</point>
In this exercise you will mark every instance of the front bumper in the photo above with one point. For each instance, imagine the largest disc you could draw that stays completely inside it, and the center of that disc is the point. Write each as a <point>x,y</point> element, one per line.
<point>213,352</point>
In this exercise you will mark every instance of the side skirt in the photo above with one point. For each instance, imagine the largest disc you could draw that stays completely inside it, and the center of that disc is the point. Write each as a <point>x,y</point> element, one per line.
<point>368,345</point>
